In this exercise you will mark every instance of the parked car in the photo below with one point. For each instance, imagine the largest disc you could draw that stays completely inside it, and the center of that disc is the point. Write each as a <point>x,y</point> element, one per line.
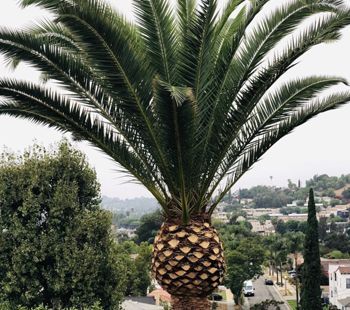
<point>293,275</point>
<point>216,297</point>
<point>268,282</point>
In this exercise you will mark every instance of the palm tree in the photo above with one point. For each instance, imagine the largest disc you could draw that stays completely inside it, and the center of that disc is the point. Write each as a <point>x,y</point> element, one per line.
<point>296,245</point>
<point>185,100</point>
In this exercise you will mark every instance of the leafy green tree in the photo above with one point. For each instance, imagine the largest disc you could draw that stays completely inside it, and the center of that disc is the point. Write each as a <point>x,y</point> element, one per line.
<point>149,226</point>
<point>142,275</point>
<point>346,194</point>
<point>280,227</point>
<point>268,305</point>
<point>56,246</point>
<point>338,241</point>
<point>232,233</point>
<point>138,260</point>
<point>243,263</point>
<point>322,228</point>
<point>183,99</point>
<point>311,274</point>
<point>276,247</point>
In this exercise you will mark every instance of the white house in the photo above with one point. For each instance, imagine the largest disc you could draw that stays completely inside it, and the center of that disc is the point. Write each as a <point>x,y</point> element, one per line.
<point>339,286</point>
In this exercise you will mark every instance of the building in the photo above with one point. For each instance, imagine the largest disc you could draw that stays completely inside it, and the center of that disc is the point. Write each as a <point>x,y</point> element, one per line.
<point>291,217</point>
<point>339,286</point>
<point>221,216</point>
<point>260,212</point>
<point>325,262</point>
<point>338,210</point>
<point>263,228</point>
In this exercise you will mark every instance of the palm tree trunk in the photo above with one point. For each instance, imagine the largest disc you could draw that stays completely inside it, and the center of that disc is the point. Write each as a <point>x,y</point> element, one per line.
<point>190,303</point>
<point>281,273</point>
<point>296,278</point>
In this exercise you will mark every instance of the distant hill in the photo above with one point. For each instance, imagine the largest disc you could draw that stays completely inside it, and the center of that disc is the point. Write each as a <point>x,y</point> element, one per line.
<point>136,206</point>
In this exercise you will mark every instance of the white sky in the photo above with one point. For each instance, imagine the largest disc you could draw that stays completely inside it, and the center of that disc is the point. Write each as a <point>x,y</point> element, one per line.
<point>320,146</point>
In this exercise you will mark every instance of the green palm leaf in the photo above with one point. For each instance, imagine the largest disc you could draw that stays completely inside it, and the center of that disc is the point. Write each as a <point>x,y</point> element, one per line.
<point>185,98</point>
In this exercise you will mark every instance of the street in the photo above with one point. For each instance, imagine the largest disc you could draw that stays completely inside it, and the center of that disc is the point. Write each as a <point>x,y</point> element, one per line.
<point>263,292</point>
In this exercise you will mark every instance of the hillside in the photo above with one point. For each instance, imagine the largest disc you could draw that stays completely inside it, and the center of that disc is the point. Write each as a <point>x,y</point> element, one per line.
<point>136,206</point>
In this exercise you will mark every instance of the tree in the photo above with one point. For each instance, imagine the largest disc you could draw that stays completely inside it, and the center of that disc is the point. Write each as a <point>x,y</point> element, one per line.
<point>56,245</point>
<point>244,262</point>
<point>138,259</point>
<point>322,228</point>
<point>311,274</point>
<point>182,99</point>
<point>267,305</point>
<point>295,245</point>
<point>346,194</point>
<point>149,226</point>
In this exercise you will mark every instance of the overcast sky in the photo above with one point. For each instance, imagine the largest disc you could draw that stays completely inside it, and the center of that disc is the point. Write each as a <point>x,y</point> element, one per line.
<point>320,146</point>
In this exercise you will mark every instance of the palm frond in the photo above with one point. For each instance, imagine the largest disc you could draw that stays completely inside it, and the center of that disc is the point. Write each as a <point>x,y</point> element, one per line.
<point>230,116</point>
<point>183,98</point>
<point>274,134</point>
<point>157,27</point>
<point>79,118</point>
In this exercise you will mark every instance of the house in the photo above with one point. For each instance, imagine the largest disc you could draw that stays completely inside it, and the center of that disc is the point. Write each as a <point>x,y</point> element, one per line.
<point>263,228</point>
<point>160,296</point>
<point>260,212</point>
<point>221,216</point>
<point>338,210</point>
<point>325,262</point>
<point>339,285</point>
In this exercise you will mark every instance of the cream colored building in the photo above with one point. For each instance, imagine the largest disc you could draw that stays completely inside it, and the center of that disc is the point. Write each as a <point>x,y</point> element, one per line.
<point>339,286</point>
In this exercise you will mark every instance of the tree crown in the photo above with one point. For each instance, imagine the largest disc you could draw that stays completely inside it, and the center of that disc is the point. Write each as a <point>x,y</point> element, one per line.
<point>187,98</point>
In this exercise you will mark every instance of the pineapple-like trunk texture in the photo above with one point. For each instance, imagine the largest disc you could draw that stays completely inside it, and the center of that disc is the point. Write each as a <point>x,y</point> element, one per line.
<point>188,262</point>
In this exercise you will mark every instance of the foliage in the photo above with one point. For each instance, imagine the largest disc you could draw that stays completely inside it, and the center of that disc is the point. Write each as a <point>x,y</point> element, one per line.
<point>56,247</point>
<point>290,210</point>
<point>324,182</point>
<point>266,196</point>
<point>182,99</point>
<point>346,194</point>
<point>276,248</point>
<point>264,218</point>
<point>282,227</point>
<point>337,241</point>
<point>149,226</point>
<point>311,282</point>
<point>336,254</point>
<point>267,305</point>
<point>243,263</point>
<point>7,306</point>
<point>232,233</point>
<point>295,241</point>
<point>137,258</point>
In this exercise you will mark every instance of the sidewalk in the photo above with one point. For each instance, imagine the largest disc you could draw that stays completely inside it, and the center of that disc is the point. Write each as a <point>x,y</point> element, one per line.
<point>287,291</point>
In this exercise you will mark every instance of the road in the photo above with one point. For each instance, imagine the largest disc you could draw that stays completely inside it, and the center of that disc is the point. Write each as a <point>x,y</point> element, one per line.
<point>263,292</point>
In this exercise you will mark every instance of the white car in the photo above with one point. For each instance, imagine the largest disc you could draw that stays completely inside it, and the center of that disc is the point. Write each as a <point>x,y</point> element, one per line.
<point>248,288</point>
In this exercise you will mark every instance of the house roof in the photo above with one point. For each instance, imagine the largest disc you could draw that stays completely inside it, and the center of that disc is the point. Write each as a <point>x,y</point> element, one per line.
<point>163,295</point>
<point>325,262</point>
<point>344,269</point>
